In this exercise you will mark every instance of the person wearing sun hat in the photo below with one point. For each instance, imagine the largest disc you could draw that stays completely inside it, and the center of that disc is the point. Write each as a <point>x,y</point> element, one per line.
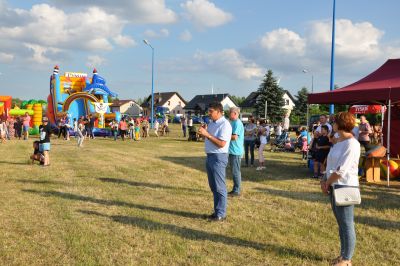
<point>44,142</point>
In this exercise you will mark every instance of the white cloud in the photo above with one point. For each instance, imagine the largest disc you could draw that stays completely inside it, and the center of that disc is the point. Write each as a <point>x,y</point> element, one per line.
<point>40,53</point>
<point>205,14</point>
<point>95,61</point>
<point>353,40</point>
<point>229,62</point>
<point>124,41</point>
<point>185,36</point>
<point>163,33</point>
<point>134,11</point>
<point>46,30</point>
<point>6,57</point>
<point>283,41</point>
<point>358,45</point>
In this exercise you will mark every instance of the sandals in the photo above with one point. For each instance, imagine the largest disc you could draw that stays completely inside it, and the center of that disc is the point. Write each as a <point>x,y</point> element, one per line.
<point>343,262</point>
<point>336,260</point>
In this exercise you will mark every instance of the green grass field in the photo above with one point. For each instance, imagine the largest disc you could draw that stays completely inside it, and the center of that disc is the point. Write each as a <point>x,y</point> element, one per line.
<point>142,203</point>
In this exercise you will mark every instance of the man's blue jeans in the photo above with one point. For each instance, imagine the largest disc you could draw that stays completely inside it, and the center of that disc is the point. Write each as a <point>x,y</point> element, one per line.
<point>345,218</point>
<point>216,170</point>
<point>234,161</point>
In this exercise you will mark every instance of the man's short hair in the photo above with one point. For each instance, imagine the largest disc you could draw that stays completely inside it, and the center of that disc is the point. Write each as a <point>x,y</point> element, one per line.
<point>234,109</point>
<point>326,117</point>
<point>325,127</point>
<point>216,106</point>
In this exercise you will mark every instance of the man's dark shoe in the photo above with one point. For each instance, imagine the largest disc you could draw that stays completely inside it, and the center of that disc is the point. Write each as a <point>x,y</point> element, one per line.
<point>217,219</point>
<point>211,216</point>
<point>233,194</point>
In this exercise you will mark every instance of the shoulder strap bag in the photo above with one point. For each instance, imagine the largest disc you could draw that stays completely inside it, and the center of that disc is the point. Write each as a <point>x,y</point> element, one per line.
<point>346,195</point>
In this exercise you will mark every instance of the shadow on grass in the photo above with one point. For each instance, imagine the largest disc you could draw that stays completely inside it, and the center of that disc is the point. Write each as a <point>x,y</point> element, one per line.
<point>377,222</point>
<point>193,234</point>
<point>197,163</point>
<point>145,184</point>
<point>70,196</point>
<point>275,169</point>
<point>296,195</point>
<point>14,163</point>
<point>40,182</point>
<point>383,200</point>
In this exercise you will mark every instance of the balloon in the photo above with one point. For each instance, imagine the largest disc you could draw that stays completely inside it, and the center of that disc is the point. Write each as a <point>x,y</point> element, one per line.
<point>393,168</point>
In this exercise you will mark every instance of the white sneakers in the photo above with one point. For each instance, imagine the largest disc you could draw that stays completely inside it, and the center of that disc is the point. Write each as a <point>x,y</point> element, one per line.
<point>260,168</point>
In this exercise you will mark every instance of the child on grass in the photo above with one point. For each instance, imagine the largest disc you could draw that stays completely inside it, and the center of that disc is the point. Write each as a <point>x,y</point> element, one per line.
<point>137,130</point>
<point>3,131</point>
<point>37,155</point>
<point>304,147</point>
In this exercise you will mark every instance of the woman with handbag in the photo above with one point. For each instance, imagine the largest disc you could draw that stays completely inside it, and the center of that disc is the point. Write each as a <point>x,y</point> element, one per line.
<point>342,184</point>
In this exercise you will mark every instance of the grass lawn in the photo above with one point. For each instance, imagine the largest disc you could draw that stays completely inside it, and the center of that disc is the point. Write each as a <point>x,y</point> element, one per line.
<point>142,203</point>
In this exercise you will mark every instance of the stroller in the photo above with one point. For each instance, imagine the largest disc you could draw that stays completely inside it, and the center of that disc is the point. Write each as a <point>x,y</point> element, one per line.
<point>193,135</point>
<point>279,143</point>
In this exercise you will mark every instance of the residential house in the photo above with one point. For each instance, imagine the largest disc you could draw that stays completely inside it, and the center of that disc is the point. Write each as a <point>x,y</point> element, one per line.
<point>171,100</point>
<point>248,105</point>
<point>126,107</point>
<point>199,104</point>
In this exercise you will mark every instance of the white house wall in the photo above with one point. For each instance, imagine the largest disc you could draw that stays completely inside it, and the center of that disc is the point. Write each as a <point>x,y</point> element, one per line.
<point>175,105</point>
<point>227,103</point>
<point>130,108</point>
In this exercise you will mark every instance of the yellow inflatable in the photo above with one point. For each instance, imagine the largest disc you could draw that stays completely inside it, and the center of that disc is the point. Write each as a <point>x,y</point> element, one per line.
<point>394,170</point>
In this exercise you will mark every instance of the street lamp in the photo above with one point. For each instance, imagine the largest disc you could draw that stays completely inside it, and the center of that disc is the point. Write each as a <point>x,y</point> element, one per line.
<point>305,71</point>
<point>152,81</point>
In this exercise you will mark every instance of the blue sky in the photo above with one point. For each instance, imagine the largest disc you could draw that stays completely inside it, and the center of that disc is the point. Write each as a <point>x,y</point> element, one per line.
<point>198,43</point>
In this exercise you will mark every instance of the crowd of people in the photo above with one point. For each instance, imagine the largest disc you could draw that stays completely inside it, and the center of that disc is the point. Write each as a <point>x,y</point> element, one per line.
<point>337,153</point>
<point>17,127</point>
<point>333,145</point>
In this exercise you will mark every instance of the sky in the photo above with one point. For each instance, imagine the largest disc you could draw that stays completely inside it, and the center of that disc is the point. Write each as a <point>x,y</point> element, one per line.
<point>200,45</point>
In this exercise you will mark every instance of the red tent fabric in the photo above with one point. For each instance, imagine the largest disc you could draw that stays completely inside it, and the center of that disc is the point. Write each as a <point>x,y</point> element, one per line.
<point>376,88</point>
<point>394,132</point>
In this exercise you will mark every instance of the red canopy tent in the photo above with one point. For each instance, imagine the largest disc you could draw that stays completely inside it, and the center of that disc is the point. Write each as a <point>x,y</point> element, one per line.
<point>380,87</point>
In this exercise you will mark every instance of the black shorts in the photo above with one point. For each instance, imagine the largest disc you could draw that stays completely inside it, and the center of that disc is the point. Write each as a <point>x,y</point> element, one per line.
<point>320,156</point>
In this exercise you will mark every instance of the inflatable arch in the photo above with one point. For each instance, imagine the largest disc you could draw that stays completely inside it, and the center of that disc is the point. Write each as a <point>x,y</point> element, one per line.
<point>78,95</point>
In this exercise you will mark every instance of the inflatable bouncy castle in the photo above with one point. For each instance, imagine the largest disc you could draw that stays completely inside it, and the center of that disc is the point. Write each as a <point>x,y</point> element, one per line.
<point>75,95</point>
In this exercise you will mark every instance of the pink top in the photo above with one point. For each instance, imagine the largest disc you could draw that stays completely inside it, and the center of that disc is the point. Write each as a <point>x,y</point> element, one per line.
<point>304,144</point>
<point>365,130</point>
<point>122,125</point>
<point>26,120</point>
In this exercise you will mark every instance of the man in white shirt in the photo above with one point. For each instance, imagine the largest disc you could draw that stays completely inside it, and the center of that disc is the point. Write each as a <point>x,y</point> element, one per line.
<point>218,136</point>
<point>323,119</point>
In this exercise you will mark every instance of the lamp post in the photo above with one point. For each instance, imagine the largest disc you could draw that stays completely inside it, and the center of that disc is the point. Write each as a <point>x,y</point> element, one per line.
<point>152,82</point>
<point>266,110</point>
<point>305,71</point>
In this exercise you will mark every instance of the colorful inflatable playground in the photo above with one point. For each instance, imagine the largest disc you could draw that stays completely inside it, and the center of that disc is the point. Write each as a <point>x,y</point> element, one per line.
<point>75,95</point>
<point>72,95</point>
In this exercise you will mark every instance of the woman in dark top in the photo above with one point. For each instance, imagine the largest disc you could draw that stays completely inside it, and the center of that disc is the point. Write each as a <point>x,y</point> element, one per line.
<point>322,149</point>
<point>18,128</point>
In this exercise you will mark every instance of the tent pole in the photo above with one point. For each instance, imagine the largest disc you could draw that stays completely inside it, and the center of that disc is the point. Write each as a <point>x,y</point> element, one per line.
<point>308,129</point>
<point>388,143</point>
<point>382,119</point>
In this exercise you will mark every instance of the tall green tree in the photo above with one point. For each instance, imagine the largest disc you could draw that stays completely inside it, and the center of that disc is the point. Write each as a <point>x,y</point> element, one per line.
<point>301,102</point>
<point>270,92</point>
<point>238,99</point>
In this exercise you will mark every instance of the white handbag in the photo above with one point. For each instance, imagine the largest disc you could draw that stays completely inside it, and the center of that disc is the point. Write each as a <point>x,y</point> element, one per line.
<point>346,195</point>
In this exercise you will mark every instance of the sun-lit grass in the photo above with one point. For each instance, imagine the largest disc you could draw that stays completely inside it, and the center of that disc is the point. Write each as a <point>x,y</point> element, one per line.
<point>130,203</point>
